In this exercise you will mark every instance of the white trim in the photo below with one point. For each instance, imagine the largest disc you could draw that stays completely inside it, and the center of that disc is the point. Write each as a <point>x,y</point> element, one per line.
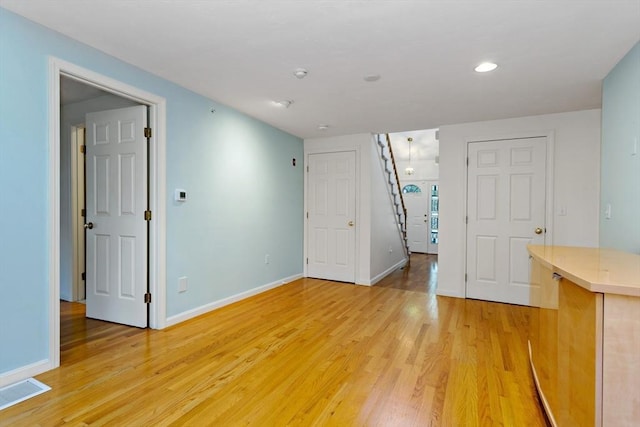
<point>76,218</point>
<point>195,312</point>
<point>26,371</point>
<point>388,271</point>
<point>157,190</point>
<point>157,253</point>
<point>551,155</point>
<point>54,214</point>
<point>77,187</point>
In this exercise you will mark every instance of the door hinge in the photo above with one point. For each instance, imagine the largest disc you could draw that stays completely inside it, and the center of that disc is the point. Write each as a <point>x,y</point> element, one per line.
<point>466,219</point>
<point>147,298</point>
<point>467,161</point>
<point>147,132</point>
<point>465,277</point>
<point>83,149</point>
<point>83,212</point>
<point>147,215</point>
<point>307,260</point>
<point>307,168</point>
<point>83,276</point>
<point>307,215</point>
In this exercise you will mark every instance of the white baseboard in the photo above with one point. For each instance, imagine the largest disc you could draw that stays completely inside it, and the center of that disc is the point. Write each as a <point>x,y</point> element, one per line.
<point>190,314</point>
<point>24,372</point>
<point>388,271</point>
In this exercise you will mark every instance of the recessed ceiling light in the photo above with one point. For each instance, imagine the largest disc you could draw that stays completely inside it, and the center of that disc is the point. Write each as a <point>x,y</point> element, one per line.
<point>284,103</point>
<point>371,77</point>
<point>486,66</point>
<point>300,73</point>
<point>323,127</point>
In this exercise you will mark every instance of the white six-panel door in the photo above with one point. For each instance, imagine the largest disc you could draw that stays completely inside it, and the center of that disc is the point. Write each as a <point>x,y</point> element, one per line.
<point>506,211</point>
<point>331,204</point>
<point>116,199</point>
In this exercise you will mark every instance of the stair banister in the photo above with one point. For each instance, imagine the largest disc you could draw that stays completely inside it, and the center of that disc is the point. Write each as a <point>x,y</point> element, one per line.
<point>395,171</point>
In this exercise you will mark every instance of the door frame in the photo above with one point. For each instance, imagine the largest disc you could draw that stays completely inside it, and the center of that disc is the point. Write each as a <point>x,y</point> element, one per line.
<point>549,196</point>
<point>157,192</point>
<point>77,220</point>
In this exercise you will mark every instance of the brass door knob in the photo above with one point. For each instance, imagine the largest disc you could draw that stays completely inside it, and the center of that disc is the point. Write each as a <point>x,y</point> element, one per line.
<point>350,224</point>
<point>88,225</point>
<point>538,230</point>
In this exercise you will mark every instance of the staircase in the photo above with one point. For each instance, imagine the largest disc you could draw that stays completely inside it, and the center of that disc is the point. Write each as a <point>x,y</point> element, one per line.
<point>386,153</point>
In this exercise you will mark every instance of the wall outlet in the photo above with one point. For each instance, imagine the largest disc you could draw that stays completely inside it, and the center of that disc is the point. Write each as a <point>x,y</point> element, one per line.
<point>182,284</point>
<point>267,259</point>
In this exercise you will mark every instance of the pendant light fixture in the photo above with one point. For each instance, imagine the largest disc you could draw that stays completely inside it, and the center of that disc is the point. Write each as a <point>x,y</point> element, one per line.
<point>409,170</point>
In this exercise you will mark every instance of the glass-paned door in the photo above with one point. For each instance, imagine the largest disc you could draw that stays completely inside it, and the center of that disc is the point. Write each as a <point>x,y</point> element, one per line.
<point>434,208</point>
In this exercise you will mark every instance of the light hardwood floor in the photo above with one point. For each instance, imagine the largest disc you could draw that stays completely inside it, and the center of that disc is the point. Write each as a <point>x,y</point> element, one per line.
<point>309,353</point>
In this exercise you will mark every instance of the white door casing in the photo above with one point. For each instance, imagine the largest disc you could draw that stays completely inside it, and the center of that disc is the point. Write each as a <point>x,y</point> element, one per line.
<point>116,199</point>
<point>331,216</point>
<point>157,195</point>
<point>418,218</point>
<point>506,197</point>
<point>77,204</point>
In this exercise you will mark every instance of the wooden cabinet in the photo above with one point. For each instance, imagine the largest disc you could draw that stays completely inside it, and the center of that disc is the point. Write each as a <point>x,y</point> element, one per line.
<point>584,344</point>
<point>543,336</point>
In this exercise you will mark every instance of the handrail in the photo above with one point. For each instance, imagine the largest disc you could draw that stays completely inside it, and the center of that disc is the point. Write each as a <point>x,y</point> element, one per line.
<point>404,208</point>
<point>395,171</point>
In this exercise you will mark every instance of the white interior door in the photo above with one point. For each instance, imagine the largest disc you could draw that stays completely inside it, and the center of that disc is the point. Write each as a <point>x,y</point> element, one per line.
<point>116,200</point>
<point>417,216</point>
<point>331,203</point>
<point>506,207</point>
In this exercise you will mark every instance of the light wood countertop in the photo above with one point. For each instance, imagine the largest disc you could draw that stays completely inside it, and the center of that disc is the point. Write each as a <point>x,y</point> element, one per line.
<point>607,271</point>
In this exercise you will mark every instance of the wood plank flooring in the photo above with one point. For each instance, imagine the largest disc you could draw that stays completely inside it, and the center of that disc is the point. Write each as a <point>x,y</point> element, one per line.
<point>309,353</point>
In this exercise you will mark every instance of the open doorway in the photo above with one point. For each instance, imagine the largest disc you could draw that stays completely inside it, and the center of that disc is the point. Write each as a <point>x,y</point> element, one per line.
<point>418,164</point>
<point>61,238</point>
<point>109,232</point>
<point>76,100</point>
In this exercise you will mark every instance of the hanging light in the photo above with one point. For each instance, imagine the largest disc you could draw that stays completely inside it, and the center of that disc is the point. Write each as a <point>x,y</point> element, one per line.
<point>409,170</point>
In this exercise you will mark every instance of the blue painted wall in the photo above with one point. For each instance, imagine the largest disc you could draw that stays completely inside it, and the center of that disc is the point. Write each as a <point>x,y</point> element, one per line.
<point>620,170</point>
<point>245,198</point>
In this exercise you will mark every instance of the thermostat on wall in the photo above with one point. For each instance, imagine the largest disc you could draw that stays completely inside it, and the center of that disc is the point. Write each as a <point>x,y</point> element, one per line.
<point>180,195</point>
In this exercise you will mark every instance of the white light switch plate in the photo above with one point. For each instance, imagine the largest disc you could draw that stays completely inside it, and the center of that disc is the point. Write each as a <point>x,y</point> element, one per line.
<point>182,284</point>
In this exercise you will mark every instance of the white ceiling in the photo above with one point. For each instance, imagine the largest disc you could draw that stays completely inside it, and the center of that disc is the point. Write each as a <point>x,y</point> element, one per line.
<point>552,54</point>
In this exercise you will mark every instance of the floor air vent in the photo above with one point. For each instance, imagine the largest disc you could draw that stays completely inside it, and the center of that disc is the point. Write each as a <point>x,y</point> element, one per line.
<point>20,391</point>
